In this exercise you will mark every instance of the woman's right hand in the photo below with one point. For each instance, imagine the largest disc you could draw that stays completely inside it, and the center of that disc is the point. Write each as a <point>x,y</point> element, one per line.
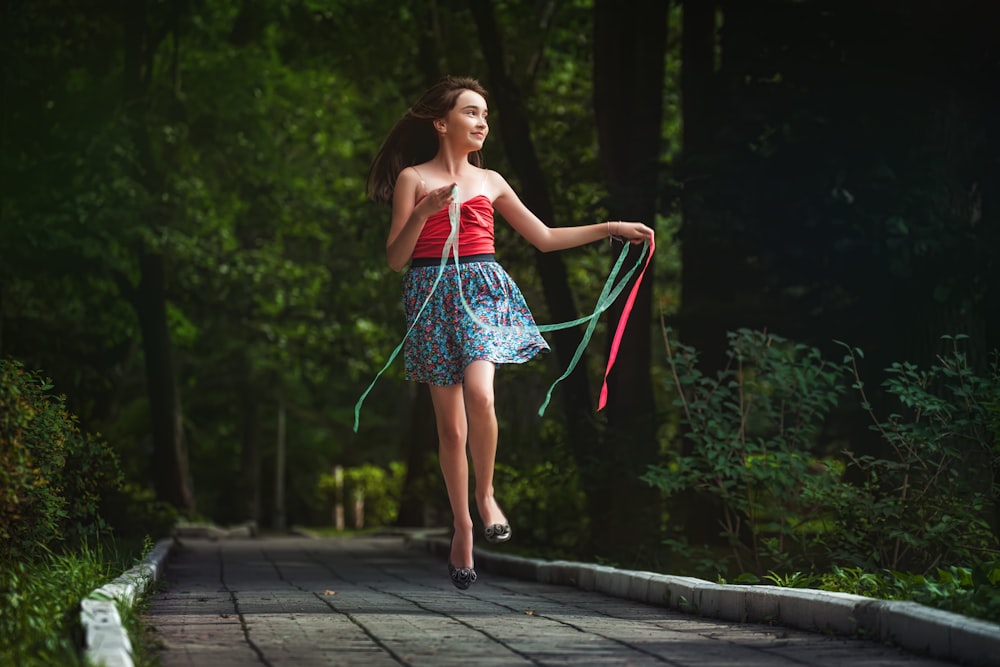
<point>435,200</point>
<point>408,217</point>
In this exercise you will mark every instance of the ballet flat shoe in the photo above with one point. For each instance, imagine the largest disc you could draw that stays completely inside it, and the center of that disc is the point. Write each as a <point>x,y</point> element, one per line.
<point>462,577</point>
<point>498,533</point>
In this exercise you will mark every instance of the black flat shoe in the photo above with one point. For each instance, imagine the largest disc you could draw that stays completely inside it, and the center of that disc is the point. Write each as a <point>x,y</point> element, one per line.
<point>498,533</point>
<point>462,577</point>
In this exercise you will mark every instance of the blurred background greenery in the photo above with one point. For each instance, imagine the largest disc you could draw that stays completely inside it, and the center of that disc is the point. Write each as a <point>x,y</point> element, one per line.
<point>187,257</point>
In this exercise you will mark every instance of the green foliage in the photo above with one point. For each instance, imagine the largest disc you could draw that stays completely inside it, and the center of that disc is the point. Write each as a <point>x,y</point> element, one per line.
<point>33,434</point>
<point>145,645</point>
<point>854,580</point>
<point>544,502</point>
<point>699,560</point>
<point>793,580</point>
<point>972,591</point>
<point>969,591</point>
<point>52,476</point>
<point>907,521</point>
<point>379,489</point>
<point>133,512</point>
<point>243,164</point>
<point>39,600</point>
<point>930,500</point>
<point>242,160</point>
<point>751,436</point>
<point>91,476</point>
<point>925,502</point>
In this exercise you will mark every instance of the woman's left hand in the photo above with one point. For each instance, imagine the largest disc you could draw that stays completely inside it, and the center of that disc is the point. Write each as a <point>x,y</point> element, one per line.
<point>633,232</point>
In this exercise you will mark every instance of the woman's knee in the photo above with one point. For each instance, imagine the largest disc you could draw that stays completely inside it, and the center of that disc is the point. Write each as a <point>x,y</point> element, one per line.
<point>449,413</point>
<point>452,436</point>
<point>479,399</point>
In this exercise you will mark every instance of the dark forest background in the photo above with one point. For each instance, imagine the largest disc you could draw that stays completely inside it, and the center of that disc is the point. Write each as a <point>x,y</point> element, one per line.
<point>186,250</point>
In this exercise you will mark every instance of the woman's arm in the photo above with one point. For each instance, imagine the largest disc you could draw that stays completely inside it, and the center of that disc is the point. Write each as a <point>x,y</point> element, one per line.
<point>546,238</point>
<point>408,217</point>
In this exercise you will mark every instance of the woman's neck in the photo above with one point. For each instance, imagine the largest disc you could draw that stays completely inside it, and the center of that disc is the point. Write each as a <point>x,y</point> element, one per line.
<point>453,164</point>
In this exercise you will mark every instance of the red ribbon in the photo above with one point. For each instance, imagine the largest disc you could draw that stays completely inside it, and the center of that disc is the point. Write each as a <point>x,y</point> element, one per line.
<point>622,321</point>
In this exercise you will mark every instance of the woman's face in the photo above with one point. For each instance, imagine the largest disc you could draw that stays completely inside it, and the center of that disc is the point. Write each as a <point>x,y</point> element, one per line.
<point>466,122</point>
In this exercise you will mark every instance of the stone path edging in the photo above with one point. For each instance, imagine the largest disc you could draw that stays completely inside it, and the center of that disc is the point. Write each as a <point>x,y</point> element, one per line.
<point>910,625</point>
<point>105,640</point>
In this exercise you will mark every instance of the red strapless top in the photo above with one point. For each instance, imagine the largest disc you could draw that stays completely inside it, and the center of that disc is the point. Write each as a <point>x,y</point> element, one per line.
<point>475,230</point>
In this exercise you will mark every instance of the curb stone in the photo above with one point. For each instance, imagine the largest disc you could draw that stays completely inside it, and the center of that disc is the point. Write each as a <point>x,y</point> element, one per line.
<point>909,625</point>
<point>105,640</point>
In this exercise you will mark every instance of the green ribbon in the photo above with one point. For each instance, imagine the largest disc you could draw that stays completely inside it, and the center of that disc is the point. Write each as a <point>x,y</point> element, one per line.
<point>609,293</point>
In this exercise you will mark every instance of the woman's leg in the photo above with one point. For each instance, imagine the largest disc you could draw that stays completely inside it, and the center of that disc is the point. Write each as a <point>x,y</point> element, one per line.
<point>453,429</point>
<point>482,426</point>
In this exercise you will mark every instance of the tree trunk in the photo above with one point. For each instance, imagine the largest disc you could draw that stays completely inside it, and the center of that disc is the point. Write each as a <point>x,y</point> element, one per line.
<point>416,504</point>
<point>6,40</point>
<point>249,483</point>
<point>702,282</point>
<point>697,72</point>
<point>279,516</point>
<point>417,507</point>
<point>170,463</point>
<point>629,54</point>
<point>574,391</point>
<point>704,276</point>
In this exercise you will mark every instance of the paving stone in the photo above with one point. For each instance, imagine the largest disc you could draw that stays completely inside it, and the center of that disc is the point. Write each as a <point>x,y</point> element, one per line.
<point>372,601</point>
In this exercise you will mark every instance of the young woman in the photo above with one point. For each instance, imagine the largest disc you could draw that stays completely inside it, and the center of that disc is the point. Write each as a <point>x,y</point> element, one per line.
<point>432,150</point>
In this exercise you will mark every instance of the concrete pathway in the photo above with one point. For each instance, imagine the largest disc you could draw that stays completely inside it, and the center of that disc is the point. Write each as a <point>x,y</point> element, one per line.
<point>374,601</point>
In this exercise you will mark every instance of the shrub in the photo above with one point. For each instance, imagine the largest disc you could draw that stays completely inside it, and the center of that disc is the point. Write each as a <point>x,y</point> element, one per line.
<point>970,591</point>
<point>133,512</point>
<point>546,497</point>
<point>932,499</point>
<point>752,431</point>
<point>927,503</point>
<point>52,475</point>
<point>378,488</point>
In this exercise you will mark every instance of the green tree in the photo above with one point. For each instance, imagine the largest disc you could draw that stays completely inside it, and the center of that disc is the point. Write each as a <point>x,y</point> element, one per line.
<point>629,84</point>
<point>837,179</point>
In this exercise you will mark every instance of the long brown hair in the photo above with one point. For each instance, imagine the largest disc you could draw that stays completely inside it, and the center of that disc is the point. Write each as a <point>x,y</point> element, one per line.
<point>412,140</point>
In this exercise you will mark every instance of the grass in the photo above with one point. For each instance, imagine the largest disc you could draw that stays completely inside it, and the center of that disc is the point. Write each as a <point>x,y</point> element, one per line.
<point>40,601</point>
<point>145,642</point>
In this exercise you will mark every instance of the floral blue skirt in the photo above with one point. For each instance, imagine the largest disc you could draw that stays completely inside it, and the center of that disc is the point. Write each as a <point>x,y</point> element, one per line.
<point>446,339</point>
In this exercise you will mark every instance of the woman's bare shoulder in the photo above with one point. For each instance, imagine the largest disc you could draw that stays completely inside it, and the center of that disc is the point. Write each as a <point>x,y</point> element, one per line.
<point>411,180</point>
<point>410,174</point>
<point>495,184</point>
